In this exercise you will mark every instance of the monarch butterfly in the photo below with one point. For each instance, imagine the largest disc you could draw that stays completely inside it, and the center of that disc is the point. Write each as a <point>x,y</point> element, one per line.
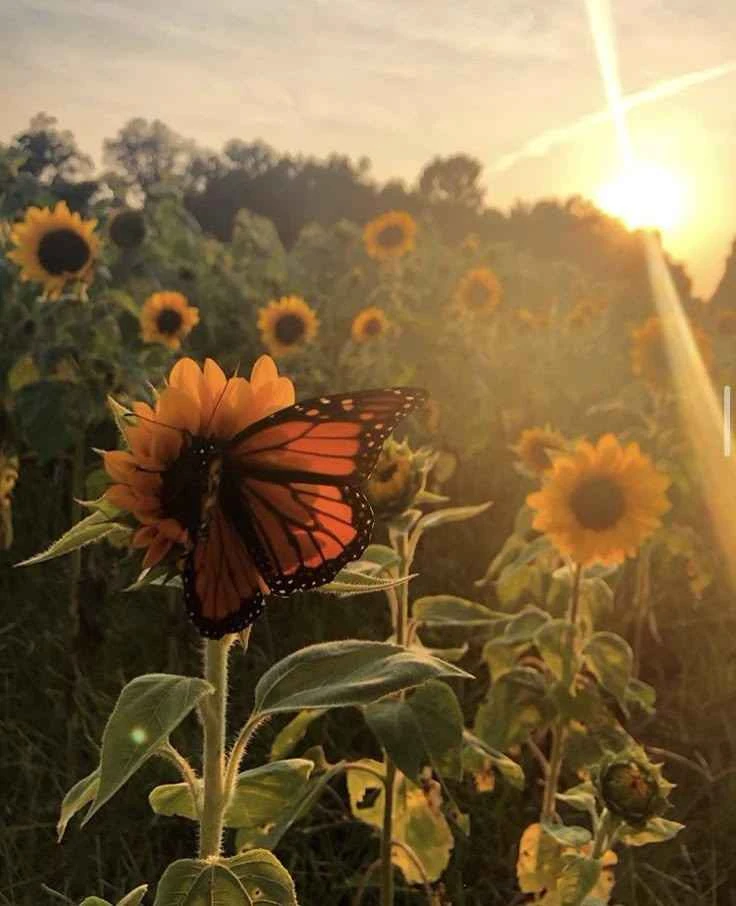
<point>272,508</point>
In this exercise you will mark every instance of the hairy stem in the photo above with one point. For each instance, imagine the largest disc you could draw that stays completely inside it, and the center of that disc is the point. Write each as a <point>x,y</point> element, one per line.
<point>559,731</point>
<point>213,773</point>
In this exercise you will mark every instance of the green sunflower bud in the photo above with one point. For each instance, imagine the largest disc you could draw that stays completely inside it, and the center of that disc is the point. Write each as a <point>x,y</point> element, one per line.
<point>398,478</point>
<point>632,788</point>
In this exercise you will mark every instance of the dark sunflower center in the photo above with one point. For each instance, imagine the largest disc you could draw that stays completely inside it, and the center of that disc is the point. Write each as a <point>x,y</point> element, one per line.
<point>372,327</point>
<point>168,321</point>
<point>598,504</point>
<point>391,236</point>
<point>387,472</point>
<point>63,252</point>
<point>128,229</point>
<point>289,329</point>
<point>477,294</point>
<point>184,484</point>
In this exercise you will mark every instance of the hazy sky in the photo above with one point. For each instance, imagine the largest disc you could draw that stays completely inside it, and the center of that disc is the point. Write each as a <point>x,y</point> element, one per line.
<point>399,81</point>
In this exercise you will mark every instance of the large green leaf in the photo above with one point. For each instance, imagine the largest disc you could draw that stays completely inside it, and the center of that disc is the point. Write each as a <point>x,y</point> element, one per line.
<point>95,901</point>
<point>92,528</point>
<point>191,882</point>
<point>82,793</point>
<point>426,728</point>
<point>264,878</point>
<point>146,712</point>
<point>339,674</point>
<point>269,835</point>
<point>450,514</point>
<point>355,582</point>
<point>611,660</point>
<point>516,705</point>
<point>441,611</point>
<point>555,643</point>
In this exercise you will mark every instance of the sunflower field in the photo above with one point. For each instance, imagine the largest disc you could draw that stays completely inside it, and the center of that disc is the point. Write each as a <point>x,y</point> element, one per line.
<point>353,555</point>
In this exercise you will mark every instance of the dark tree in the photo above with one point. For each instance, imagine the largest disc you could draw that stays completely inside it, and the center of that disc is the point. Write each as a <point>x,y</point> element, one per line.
<point>147,154</point>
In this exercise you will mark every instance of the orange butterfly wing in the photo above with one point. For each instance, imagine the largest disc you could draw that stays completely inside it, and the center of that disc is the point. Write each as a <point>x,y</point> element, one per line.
<point>298,473</point>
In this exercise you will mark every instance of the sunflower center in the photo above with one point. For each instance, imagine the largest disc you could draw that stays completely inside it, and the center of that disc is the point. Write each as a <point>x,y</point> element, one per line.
<point>598,503</point>
<point>477,294</point>
<point>63,252</point>
<point>289,329</point>
<point>168,321</point>
<point>372,327</point>
<point>391,236</point>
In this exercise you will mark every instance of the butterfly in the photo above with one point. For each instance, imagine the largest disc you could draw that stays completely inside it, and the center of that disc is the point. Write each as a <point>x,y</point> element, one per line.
<point>279,508</point>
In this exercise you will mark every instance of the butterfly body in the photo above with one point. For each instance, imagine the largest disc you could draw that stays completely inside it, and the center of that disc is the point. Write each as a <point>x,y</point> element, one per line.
<point>278,507</point>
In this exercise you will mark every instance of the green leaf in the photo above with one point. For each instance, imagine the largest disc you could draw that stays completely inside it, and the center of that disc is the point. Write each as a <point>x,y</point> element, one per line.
<point>83,792</point>
<point>146,712</point>
<point>292,734</point>
<point>353,582</point>
<point>580,797</point>
<point>440,611</point>
<point>523,627</point>
<point>263,794</point>
<point>379,555</point>
<point>92,528</point>
<point>94,901</point>
<point>514,584</point>
<point>269,835</point>
<point>450,514</point>
<point>641,694</point>
<point>567,835</point>
<point>340,674</point>
<point>511,772</point>
<point>516,705</point>
<point>656,830</point>
<point>264,878</point>
<point>191,882</point>
<point>555,641</point>
<point>578,878</point>
<point>134,897</point>
<point>24,371</point>
<point>37,407</point>
<point>611,660</point>
<point>500,657</point>
<point>507,555</point>
<point>426,728</point>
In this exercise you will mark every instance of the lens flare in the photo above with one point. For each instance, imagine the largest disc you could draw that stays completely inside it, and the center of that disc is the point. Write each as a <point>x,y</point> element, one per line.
<point>645,195</point>
<point>700,411</point>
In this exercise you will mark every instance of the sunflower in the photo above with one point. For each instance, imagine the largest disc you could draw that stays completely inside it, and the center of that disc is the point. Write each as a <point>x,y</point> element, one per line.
<point>369,324</point>
<point>287,324</point>
<point>167,318</point>
<point>533,448</point>
<point>601,502</point>
<point>396,480</point>
<point>390,236</point>
<point>127,228</point>
<point>54,248</point>
<point>479,291</point>
<point>199,403</point>
<point>649,359</point>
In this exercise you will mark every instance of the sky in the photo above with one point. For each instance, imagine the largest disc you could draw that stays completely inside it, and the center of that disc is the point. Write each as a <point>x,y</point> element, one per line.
<point>514,83</point>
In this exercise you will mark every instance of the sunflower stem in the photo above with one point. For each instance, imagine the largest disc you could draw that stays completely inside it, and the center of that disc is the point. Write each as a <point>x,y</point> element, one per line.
<point>400,611</point>
<point>214,727</point>
<point>559,731</point>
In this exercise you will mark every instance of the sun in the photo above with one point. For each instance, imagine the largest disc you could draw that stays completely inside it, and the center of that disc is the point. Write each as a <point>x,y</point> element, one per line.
<point>645,195</point>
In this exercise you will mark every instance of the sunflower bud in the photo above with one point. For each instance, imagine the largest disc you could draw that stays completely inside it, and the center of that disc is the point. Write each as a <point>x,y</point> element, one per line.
<point>632,788</point>
<point>128,229</point>
<point>398,478</point>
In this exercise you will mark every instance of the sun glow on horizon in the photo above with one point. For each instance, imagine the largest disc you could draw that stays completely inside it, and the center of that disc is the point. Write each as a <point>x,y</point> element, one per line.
<point>646,195</point>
